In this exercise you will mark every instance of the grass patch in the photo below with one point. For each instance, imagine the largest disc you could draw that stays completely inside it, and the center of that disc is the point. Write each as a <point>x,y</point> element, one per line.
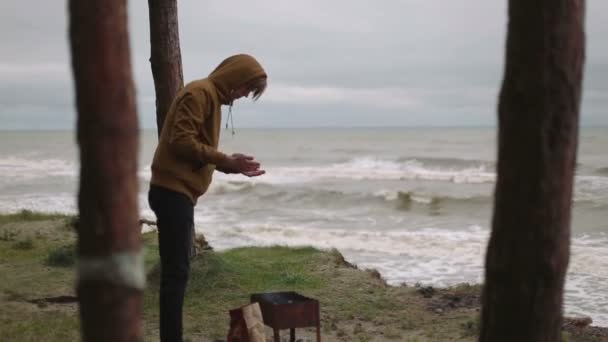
<point>24,245</point>
<point>471,328</point>
<point>64,256</point>
<point>42,325</point>
<point>225,280</point>
<point>28,216</point>
<point>8,235</point>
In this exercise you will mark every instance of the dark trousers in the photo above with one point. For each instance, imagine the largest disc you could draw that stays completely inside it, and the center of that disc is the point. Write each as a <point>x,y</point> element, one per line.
<point>175,219</point>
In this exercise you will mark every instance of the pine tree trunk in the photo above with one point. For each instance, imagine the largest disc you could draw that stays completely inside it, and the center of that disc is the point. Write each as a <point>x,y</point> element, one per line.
<point>165,55</point>
<point>528,252</point>
<point>109,304</point>
<point>166,61</point>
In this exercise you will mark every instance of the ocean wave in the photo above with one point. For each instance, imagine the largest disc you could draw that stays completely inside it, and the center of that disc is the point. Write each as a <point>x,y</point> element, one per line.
<point>389,242</point>
<point>16,168</point>
<point>449,162</point>
<point>65,203</point>
<point>602,171</point>
<point>327,197</point>
<point>367,167</point>
<point>409,169</point>
<point>592,181</point>
<point>591,189</point>
<point>407,200</point>
<point>371,168</point>
<point>233,187</point>
<point>586,195</point>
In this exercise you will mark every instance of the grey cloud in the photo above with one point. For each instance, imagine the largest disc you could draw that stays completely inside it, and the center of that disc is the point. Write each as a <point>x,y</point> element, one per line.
<point>446,55</point>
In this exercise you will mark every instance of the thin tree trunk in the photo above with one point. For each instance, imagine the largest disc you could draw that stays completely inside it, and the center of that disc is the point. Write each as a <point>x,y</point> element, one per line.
<point>109,275</point>
<point>528,252</point>
<point>165,55</point>
<point>165,61</point>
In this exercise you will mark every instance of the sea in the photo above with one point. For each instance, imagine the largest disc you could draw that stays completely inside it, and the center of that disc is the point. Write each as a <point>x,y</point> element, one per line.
<point>413,203</point>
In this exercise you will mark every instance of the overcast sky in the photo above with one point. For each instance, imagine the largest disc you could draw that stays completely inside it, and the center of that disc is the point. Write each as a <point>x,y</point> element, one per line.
<point>330,63</point>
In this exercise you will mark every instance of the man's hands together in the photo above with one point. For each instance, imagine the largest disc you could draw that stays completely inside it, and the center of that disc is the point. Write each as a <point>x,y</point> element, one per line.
<point>240,163</point>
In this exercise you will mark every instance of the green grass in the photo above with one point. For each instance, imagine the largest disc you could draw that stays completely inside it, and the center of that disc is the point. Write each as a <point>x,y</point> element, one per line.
<point>471,327</point>
<point>29,216</point>
<point>25,244</point>
<point>63,256</point>
<point>8,235</point>
<point>19,324</point>
<point>221,281</point>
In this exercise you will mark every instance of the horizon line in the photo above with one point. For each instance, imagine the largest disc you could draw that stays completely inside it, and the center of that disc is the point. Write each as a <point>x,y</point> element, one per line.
<point>63,129</point>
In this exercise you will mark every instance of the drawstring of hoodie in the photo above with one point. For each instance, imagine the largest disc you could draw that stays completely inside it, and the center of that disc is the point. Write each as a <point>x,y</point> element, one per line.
<point>229,118</point>
<point>231,121</point>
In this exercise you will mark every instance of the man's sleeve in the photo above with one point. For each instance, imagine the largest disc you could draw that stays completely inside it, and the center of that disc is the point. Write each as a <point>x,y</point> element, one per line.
<point>184,135</point>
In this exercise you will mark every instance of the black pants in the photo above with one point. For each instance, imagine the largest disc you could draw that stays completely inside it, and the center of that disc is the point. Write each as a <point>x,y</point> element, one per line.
<point>175,218</point>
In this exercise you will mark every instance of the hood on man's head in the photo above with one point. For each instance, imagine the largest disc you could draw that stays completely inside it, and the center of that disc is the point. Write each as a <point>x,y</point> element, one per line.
<point>234,72</point>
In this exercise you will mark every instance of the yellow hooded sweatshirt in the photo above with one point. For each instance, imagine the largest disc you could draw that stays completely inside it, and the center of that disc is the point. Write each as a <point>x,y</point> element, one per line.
<point>186,154</point>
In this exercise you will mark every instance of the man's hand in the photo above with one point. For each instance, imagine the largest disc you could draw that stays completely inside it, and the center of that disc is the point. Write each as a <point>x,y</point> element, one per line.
<point>254,173</point>
<point>241,163</point>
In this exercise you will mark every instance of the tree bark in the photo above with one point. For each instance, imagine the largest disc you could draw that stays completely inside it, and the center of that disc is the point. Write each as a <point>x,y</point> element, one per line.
<point>110,308</point>
<point>528,251</point>
<point>165,61</point>
<point>165,55</point>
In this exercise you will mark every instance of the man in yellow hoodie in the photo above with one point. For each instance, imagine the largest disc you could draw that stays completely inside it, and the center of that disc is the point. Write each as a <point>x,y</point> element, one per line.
<point>185,159</point>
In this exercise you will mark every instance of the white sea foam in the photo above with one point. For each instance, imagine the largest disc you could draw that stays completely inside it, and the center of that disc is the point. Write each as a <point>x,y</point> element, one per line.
<point>592,191</point>
<point>428,199</point>
<point>50,203</point>
<point>65,203</point>
<point>590,188</point>
<point>370,168</point>
<point>17,168</point>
